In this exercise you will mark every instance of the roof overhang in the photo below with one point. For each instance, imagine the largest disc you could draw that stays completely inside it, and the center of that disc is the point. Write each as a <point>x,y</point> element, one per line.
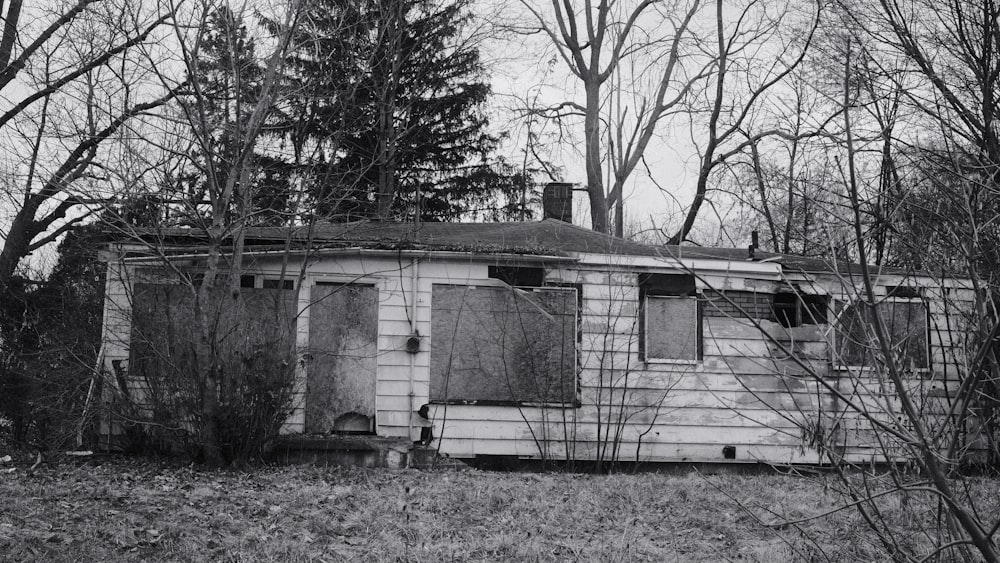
<point>361,251</point>
<point>761,270</point>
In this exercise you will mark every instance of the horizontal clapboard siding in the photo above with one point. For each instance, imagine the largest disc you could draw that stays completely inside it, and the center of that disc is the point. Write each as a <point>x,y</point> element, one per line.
<point>761,388</point>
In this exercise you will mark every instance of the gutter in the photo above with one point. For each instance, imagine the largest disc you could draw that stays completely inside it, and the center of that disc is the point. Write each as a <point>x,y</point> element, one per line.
<point>360,251</point>
<point>761,268</point>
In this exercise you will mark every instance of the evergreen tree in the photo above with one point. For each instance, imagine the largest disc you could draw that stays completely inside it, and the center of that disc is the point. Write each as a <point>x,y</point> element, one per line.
<point>228,79</point>
<point>387,115</point>
<point>50,334</point>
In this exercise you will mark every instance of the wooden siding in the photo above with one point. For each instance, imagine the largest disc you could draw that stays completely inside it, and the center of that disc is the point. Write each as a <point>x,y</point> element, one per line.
<point>762,388</point>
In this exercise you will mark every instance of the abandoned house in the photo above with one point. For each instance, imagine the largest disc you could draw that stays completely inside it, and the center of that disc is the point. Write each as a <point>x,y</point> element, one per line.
<point>543,340</point>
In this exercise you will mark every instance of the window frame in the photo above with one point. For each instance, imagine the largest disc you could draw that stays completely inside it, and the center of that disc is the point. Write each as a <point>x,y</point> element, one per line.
<point>259,280</point>
<point>927,326</point>
<point>494,283</point>
<point>841,366</point>
<point>699,330</point>
<point>799,306</point>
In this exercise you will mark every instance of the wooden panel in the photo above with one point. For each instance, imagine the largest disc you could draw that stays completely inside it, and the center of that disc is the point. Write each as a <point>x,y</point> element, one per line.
<point>648,451</point>
<point>672,328</point>
<point>500,344</point>
<point>252,345</point>
<point>554,430</point>
<point>341,370</point>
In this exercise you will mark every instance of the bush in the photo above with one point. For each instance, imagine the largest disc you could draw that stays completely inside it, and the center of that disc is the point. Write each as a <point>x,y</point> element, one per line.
<point>49,340</point>
<point>247,361</point>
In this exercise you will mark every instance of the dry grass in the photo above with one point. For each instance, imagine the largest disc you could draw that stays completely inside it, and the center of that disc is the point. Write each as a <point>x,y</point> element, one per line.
<point>130,510</point>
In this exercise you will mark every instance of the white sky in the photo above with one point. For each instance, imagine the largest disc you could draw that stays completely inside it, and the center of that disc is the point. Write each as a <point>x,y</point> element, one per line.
<point>523,68</point>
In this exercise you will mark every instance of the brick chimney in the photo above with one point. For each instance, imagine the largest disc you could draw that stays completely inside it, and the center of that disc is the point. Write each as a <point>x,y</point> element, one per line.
<point>557,201</point>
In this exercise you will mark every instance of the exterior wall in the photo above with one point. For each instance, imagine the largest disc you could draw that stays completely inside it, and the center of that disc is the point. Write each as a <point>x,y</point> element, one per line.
<point>634,410</point>
<point>761,392</point>
<point>933,389</point>
<point>747,397</point>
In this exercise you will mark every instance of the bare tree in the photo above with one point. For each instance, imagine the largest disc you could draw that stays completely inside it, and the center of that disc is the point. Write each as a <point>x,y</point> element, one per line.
<point>928,425</point>
<point>741,81</point>
<point>220,146</point>
<point>642,66</point>
<point>594,43</point>
<point>68,87</point>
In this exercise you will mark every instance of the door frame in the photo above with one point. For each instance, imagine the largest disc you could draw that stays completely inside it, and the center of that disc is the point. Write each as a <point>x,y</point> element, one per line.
<point>305,306</point>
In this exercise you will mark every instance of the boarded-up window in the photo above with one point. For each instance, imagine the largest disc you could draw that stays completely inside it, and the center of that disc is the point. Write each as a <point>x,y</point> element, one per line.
<point>672,328</point>
<point>253,339</point>
<point>906,325</point>
<point>501,345</point>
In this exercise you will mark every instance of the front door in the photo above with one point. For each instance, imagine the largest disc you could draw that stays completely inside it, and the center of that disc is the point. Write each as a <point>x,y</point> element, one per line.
<point>343,341</point>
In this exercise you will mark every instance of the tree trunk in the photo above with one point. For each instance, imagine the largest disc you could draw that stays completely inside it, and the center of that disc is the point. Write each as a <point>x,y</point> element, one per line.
<point>762,190</point>
<point>15,246</point>
<point>595,181</point>
<point>713,133</point>
<point>9,32</point>
<point>208,355</point>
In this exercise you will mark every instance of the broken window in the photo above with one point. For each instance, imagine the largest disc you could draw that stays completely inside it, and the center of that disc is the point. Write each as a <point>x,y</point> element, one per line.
<point>797,309</point>
<point>813,309</point>
<point>277,283</point>
<point>250,281</point>
<point>785,307</point>
<point>906,324</point>
<point>670,318</point>
<point>518,276</point>
<point>503,345</point>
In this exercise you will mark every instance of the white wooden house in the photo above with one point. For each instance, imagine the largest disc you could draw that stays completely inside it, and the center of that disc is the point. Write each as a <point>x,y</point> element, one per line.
<point>543,340</point>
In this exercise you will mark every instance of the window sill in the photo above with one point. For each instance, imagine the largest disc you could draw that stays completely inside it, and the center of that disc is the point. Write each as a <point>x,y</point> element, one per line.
<point>493,403</point>
<point>872,369</point>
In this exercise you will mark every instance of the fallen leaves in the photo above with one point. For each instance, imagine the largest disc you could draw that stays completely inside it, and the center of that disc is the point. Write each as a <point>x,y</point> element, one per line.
<point>136,510</point>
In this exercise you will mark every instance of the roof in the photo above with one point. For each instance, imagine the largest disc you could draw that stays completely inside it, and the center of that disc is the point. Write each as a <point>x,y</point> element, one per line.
<point>546,237</point>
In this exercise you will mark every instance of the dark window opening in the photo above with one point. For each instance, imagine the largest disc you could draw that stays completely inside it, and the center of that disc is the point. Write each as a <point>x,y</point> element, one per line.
<point>903,292</point>
<point>815,309</point>
<point>797,309</point>
<point>246,281</point>
<point>667,284</point>
<point>786,309</point>
<point>518,276</point>
<point>278,284</point>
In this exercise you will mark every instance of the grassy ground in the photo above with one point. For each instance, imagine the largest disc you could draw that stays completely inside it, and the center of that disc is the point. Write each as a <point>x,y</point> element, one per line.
<point>134,510</point>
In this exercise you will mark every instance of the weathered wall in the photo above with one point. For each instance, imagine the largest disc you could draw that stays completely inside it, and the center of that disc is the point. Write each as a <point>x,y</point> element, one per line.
<point>652,411</point>
<point>765,399</point>
<point>769,392</point>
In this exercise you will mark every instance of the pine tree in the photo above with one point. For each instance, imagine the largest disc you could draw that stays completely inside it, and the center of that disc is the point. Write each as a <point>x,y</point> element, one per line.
<point>228,79</point>
<point>388,116</point>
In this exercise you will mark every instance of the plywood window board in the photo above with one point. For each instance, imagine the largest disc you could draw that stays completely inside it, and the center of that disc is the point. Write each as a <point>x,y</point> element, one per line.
<point>672,329</point>
<point>503,345</point>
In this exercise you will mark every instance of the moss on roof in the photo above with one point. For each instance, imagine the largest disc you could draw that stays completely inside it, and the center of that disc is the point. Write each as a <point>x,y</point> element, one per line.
<point>547,237</point>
